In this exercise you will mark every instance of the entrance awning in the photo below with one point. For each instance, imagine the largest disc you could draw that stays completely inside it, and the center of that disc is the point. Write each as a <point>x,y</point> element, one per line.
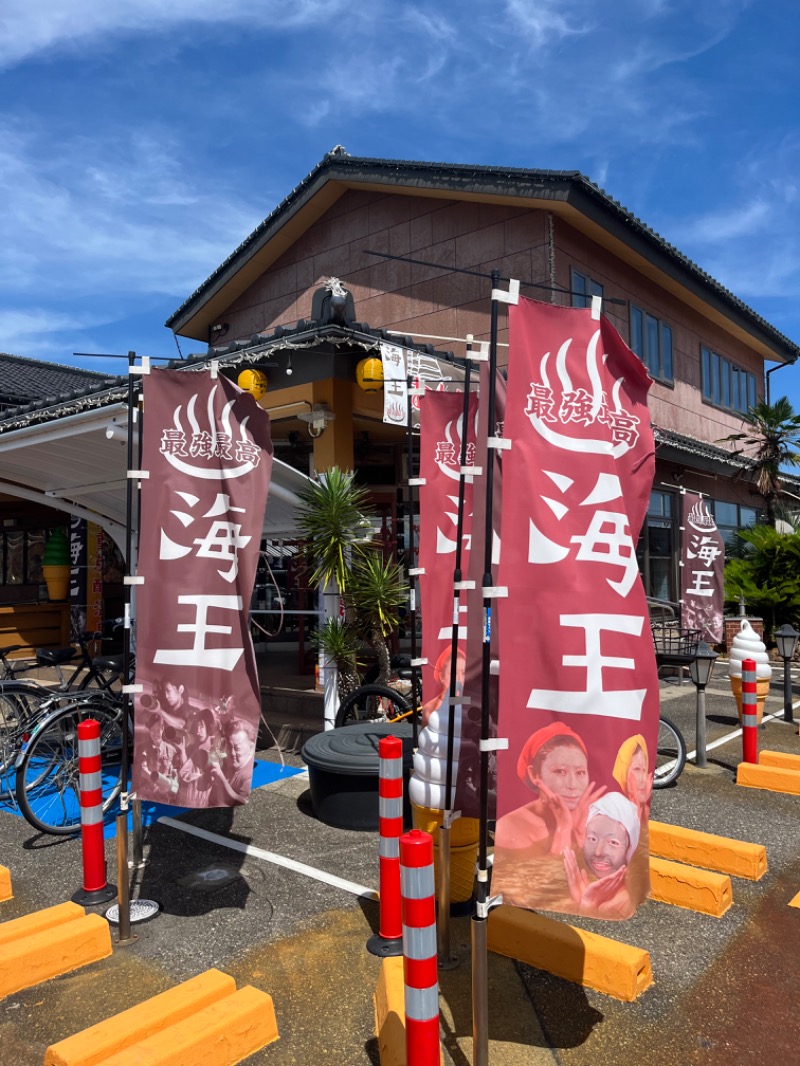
<point>78,463</point>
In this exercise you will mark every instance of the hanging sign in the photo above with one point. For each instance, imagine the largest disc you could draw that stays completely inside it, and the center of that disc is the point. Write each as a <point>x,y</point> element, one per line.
<point>702,570</point>
<point>578,685</point>
<point>207,454</point>
<point>395,385</point>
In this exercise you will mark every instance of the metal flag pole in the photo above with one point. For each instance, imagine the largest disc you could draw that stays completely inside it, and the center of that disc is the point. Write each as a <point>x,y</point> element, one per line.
<point>445,959</point>
<point>411,561</point>
<point>480,959</point>
<point>123,876</point>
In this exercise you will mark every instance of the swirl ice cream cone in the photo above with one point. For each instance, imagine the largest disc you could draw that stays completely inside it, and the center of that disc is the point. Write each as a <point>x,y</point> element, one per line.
<point>748,645</point>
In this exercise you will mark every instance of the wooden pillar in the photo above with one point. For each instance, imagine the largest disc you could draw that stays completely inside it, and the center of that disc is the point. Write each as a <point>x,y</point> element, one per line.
<point>334,446</point>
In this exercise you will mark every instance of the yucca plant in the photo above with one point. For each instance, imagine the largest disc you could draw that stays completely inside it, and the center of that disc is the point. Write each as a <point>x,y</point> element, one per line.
<point>341,644</point>
<point>376,592</point>
<point>333,520</point>
<point>763,566</point>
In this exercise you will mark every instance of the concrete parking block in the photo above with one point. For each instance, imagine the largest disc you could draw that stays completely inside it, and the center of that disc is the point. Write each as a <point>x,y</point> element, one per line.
<point>769,778</point>
<point>618,970</point>
<point>221,1034</point>
<point>738,858</point>
<point>390,1013</point>
<point>29,957</point>
<point>784,759</point>
<point>5,883</point>
<point>94,1045</point>
<point>704,891</point>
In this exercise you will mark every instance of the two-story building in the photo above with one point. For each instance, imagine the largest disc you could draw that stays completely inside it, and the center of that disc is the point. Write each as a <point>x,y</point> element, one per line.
<point>564,238</point>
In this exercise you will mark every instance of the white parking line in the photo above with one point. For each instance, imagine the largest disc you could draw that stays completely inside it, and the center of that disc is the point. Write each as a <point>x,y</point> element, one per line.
<point>269,856</point>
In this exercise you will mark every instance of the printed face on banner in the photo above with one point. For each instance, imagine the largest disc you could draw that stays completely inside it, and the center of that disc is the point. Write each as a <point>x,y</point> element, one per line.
<point>578,691</point>
<point>208,454</point>
<point>702,570</point>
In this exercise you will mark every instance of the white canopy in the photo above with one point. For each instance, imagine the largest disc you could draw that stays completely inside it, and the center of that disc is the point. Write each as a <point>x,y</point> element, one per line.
<point>78,464</point>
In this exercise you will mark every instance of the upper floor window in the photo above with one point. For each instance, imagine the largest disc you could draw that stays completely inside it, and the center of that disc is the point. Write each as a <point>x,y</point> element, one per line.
<point>651,339</point>
<point>583,289</point>
<point>726,384</point>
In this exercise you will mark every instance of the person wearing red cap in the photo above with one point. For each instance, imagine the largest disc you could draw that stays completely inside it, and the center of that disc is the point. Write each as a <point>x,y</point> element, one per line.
<point>553,763</point>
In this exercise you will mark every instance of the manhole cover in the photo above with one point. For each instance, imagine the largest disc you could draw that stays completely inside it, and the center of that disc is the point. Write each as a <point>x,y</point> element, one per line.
<point>141,910</point>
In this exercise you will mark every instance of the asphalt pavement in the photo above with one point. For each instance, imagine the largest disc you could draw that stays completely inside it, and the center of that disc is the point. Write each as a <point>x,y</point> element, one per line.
<point>272,896</point>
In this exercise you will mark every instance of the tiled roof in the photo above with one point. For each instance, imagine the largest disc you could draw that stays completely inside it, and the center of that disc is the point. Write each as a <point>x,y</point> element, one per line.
<point>515,181</point>
<point>24,380</point>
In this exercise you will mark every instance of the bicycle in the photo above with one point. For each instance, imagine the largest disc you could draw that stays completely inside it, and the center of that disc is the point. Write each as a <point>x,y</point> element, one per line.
<point>23,702</point>
<point>47,775</point>
<point>670,754</point>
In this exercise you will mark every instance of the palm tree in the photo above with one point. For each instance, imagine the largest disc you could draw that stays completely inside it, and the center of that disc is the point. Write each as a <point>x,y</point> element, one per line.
<point>768,444</point>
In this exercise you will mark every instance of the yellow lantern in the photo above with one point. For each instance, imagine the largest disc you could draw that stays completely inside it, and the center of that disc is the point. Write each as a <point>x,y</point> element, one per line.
<point>254,382</point>
<point>369,374</point>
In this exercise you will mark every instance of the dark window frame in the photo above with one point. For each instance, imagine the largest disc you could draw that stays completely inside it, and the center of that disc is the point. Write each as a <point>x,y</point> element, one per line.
<point>726,384</point>
<point>660,364</point>
<point>583,288</point>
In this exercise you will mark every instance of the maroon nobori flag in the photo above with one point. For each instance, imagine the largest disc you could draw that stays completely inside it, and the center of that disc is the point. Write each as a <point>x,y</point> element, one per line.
<point>702,569</point>
<point>441,435</point>
<point>578,683</point>
<point>208,455</point>
<point>468,799</point>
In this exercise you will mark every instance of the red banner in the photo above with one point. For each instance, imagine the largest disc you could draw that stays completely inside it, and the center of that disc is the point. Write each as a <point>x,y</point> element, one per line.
<point>441,435</point>
<point>578,684</point>
<point>702,570</point>
<point>468,785</point>
<point>207,453</point>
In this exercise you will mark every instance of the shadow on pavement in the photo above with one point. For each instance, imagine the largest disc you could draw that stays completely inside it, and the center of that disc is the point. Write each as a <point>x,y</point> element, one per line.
<point>189,876</point>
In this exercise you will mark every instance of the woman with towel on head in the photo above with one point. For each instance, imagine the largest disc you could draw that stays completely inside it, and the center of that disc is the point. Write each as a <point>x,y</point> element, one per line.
<point>553,763</point>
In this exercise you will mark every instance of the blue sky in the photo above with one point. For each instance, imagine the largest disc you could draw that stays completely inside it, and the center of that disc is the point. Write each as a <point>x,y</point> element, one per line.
<point>143,139</point>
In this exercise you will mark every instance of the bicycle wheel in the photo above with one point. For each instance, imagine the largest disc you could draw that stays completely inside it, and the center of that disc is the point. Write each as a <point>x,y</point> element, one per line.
<point>670,754</point>
<point>48,781</point>
<point>372,703</point>
<point>19,712</point>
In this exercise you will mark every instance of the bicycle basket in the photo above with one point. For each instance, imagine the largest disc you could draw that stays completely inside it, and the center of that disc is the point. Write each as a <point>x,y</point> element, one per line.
<point>672,642</point>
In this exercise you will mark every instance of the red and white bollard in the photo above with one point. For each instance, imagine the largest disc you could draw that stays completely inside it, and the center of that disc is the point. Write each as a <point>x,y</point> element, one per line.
<point>388,940</point>
<point>420,967</point>
<point>749,711</point>
<point>95,886</point>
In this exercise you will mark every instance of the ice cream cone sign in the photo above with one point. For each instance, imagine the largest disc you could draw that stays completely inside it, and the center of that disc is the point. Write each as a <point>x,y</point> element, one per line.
<point>748,645</point>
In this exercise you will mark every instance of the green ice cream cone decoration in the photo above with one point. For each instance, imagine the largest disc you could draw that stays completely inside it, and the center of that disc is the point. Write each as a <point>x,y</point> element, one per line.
<point>56,565</point>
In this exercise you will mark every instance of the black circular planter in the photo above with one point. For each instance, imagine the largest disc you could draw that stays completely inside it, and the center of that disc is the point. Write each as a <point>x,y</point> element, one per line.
<point>343,769</point>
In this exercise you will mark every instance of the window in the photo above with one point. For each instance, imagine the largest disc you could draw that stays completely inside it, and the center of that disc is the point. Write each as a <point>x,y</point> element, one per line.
<point>731,517</point>
<point>725,384</point>
<point>21,556</point>
<point>655,550</point>
<point>583,289</point>
<point>651,339</point>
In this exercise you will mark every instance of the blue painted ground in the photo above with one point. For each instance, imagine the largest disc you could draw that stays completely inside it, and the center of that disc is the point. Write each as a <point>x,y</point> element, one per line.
<point>264,773</point>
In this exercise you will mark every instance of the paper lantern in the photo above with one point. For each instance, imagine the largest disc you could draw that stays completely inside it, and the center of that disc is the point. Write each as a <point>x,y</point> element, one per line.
<point>254,382</point>
<point>369,374</point>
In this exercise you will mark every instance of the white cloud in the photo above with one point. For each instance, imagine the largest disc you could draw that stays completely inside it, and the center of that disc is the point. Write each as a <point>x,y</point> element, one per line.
<point>543,21</point>
<point>114,215</point>
<point>31,27</point>
<point>36,331</point>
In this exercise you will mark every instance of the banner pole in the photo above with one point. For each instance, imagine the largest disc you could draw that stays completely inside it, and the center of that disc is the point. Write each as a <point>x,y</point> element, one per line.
<point>123,897</point>
<point>446,959</point>
<point>480,959</point>
<point>411,562</point>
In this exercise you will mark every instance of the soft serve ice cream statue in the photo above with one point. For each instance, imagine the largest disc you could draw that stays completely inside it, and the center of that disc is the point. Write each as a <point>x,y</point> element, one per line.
<point>748,645</point>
